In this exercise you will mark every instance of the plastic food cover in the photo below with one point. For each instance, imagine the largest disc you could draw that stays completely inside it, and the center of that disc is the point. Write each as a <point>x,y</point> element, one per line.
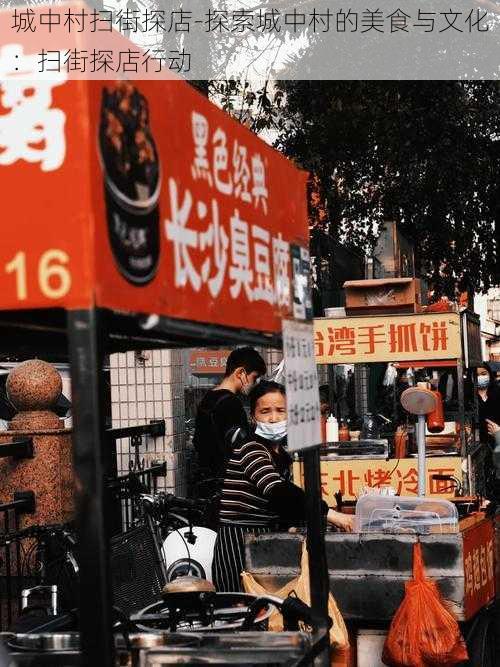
<point>405,514</point>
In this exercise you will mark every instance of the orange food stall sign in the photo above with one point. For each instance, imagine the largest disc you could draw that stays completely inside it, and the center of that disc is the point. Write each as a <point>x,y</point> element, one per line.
<point>352,340</point>
<point>350,476</point>
<point>479,567</point>
<point>142,197</point>
<point>208,362</point>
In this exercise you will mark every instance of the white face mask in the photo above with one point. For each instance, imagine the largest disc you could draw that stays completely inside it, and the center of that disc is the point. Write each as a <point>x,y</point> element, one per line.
<point>483,381</point>
<point>270,431</point>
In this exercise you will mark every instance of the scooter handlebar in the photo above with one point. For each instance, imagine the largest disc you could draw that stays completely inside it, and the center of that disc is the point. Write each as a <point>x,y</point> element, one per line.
<point>294,611</point>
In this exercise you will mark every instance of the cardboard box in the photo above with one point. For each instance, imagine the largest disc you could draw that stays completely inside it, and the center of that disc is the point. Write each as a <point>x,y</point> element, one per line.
<point>391,295</point>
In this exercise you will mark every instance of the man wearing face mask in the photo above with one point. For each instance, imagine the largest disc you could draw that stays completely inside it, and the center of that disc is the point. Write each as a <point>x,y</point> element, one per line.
<point>220,410</point>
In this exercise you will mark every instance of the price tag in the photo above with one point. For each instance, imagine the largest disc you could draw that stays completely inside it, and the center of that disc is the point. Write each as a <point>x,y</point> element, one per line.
<point>301,381</point>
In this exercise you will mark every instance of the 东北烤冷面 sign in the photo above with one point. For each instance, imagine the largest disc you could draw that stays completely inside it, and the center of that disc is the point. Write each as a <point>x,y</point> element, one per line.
<point>350,476</point>
<point>479,566</point>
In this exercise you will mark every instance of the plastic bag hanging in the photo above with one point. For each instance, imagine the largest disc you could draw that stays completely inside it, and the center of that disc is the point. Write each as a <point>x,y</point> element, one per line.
<point>279,373</point>
<point>423,632</point>
<point>390,376</point>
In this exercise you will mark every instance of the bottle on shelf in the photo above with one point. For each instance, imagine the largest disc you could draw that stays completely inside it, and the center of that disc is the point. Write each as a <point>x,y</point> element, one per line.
<point>400,443</point>
<point>435,419</point>
<point>332,429</point>
<point>323,429</point>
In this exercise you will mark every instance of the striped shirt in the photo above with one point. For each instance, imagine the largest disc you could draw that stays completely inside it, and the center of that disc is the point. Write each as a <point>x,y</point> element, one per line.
<point>249,477</point>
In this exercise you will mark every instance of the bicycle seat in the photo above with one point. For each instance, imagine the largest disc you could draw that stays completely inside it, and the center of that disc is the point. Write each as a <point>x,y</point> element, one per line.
<point>187,585</point>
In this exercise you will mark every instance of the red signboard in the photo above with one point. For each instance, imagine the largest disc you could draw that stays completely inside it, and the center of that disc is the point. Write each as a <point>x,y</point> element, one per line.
<point>143,197</point>
<point>479,567</point>
<point>222,210</point>
<point>46,252</point>
<point>208,362</point>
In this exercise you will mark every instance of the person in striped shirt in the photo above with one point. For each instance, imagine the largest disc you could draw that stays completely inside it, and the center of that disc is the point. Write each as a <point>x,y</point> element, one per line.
<point>257,495</point>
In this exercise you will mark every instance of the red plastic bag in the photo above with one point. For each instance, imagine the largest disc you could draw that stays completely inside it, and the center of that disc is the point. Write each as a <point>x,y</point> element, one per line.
<point>423,632</point>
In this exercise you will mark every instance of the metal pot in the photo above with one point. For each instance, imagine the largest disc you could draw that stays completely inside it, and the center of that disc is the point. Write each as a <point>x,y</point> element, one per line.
<point>46,642</point>
<point>136,644</point>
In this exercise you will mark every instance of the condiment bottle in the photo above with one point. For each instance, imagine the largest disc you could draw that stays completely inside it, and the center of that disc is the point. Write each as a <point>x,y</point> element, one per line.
<point>344,432</point>
<point>435,419</point>
<point>323,429</point>
<point>400,443</point>
<point>332,429</point>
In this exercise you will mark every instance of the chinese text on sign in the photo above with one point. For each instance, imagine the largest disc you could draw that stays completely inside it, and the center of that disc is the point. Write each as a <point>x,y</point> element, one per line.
<point>387,338</point>
<point>301,379</point>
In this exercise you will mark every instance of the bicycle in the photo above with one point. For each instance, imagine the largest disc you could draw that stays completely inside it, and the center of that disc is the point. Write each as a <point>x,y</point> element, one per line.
<point>49,560</point>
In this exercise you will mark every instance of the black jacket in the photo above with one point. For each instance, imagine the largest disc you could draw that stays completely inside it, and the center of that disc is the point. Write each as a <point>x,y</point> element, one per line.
<point>218,412</point>
<point>489,409</point>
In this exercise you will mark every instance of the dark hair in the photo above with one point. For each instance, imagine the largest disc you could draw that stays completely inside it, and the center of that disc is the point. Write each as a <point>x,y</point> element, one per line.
<point>264,387</point>
<point>247,358</point>
<point>486,364</point>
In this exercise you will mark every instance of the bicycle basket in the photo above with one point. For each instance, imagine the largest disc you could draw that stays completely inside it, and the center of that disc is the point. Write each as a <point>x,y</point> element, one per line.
<point>137,571</point>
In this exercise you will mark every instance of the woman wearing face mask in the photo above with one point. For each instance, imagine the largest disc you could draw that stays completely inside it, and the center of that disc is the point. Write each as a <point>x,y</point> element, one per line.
<point>488,400</point>
<point>257,495</point>
<point>269,422</point>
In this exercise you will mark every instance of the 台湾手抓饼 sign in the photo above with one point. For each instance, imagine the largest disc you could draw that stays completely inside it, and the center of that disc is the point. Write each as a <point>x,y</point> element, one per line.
<point>352,340</point>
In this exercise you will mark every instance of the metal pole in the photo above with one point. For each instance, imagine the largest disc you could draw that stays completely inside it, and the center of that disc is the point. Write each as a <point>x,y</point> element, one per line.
<point>85,334</point>
<point>332,391</point>
<point>496,608</point>
<point>466,475</point>
<point>318,566</point>
<point>421,454</point>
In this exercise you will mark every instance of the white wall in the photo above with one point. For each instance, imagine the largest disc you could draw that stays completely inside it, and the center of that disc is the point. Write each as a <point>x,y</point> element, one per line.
<point>145,390</point>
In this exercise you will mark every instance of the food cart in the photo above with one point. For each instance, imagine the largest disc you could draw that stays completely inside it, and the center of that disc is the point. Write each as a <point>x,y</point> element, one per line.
<point>416,341</point>
<point>368,569</point>
<point>175,228</point>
